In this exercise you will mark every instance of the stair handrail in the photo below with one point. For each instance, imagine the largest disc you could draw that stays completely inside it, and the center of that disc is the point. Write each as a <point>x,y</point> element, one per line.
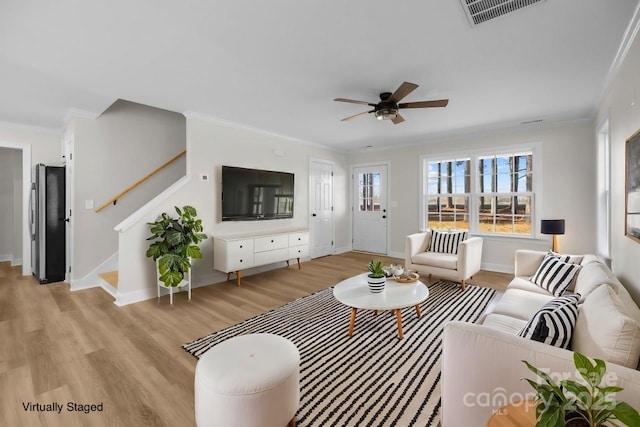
<point>114,199</point>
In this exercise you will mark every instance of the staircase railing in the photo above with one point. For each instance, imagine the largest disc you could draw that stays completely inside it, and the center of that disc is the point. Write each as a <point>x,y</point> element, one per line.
<point>114,199</point>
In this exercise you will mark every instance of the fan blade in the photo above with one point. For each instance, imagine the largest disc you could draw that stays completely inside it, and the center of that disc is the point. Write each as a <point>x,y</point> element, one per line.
<point>356,116</point>
<point>397,119</point>
<point>353,101</point>
<point>425,104</point>
<point>405,89</point>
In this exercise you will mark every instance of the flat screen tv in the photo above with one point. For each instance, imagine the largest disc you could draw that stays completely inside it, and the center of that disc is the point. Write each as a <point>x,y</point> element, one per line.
<point>254,194</point>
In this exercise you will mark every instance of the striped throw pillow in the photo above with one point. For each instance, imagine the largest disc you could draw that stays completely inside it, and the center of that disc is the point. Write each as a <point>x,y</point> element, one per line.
<point>553,323</point>
<point>554,275</point>
<point>446,242</point>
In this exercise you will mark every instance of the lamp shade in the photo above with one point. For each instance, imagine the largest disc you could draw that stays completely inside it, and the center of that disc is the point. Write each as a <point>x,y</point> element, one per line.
<point>552,226</point>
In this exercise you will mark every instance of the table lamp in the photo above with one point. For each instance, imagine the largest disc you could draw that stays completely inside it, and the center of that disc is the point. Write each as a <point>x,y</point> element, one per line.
<point>554,227</point>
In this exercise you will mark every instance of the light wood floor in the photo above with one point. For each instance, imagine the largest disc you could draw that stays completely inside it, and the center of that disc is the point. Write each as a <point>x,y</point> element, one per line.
<point>58,346</point>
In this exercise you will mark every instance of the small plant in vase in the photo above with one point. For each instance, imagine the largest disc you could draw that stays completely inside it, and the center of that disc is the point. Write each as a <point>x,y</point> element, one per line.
<point>586,405</point>
<point>377,278</point>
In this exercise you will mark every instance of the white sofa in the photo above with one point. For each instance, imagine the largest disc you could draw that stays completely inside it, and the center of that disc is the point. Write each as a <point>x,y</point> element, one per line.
<point>482,367</point>
<point>457,267</point>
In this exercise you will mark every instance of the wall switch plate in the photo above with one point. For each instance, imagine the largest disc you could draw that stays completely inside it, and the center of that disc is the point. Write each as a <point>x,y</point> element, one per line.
<point>88,204</point>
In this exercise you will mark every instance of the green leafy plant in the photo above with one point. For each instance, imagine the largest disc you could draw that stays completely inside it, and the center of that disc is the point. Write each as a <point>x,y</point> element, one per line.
<point>175,243</point>
<point>375,269</point>
<point>578,404</point>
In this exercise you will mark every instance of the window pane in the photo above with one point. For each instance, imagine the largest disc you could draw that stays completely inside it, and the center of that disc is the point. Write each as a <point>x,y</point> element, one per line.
<point>503,164</point>
<point>432,204</point>
<point>504,182</point>
<point>522,225</point>
<point>504,224</point>
<point>432,186</point>
<point>486,205</point>
<point>485,184</point>
<point>522,205</point>
<point>433,221</point>
<point>485,224</point>
<point>504,205</point>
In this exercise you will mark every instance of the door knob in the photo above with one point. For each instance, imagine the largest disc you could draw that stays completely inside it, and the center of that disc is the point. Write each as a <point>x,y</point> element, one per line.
<point>384,216</point>
<point>313,214</point>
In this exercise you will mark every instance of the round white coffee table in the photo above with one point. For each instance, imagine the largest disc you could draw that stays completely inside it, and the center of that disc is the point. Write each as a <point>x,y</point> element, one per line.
<point>354,292</point>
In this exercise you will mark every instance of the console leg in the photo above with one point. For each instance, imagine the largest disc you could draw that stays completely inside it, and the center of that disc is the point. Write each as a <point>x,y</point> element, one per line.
<point>298,263</point>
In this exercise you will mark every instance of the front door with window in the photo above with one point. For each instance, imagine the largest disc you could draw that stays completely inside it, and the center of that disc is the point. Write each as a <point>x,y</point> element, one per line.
<point>370,209</point>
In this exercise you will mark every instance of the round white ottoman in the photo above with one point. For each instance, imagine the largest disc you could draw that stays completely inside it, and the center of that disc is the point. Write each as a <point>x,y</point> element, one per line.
<point>249,380</point>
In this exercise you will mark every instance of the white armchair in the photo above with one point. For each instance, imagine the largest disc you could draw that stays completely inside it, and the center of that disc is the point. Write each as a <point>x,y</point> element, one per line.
<point>457,267</point>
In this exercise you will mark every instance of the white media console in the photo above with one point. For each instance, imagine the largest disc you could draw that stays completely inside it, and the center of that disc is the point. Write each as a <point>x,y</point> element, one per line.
<point>234,253</point>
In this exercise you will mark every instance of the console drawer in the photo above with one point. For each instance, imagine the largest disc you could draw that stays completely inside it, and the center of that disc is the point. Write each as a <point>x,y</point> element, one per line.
<point>298,239</point>
<point>268,243</point>
<point>298,252</point>
<point>270,257</point>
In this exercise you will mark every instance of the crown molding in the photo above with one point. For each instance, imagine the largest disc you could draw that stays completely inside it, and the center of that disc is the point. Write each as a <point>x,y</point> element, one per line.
<point>628,38</point>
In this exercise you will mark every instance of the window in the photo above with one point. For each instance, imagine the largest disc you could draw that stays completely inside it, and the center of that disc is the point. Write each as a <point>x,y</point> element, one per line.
<point>486,193</point>
<point>604,192</point>
<point>505,194</point>
<point>369,192</point>
<point>449,188</point>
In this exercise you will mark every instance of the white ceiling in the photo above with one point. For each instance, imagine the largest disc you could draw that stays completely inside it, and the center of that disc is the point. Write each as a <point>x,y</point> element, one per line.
<point>277,65</point>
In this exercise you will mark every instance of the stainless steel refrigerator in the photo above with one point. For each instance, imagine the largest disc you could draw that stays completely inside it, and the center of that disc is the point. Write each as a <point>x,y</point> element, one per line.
<point>48,250</point>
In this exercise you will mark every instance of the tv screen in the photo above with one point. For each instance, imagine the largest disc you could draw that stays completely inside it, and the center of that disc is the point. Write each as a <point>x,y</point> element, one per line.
<point>254,194</point>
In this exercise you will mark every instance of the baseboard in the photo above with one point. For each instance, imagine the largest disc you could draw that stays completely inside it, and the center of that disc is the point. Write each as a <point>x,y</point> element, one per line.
<point>342,250</point>
<point>5,258</point>
<point>498,268</point>
<point>16,262</point>
<point>199,281</point>
<point>399,255</point>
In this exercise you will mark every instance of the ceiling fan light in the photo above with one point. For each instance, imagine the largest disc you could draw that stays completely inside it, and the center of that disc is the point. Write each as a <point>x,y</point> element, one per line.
<point>386,114</point>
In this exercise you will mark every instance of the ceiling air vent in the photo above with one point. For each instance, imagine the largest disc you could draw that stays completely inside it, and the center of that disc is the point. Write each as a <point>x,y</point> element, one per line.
<point>479,11</point>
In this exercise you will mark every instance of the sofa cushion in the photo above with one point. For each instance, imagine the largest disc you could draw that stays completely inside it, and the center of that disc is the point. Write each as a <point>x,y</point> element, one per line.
<point>554,275</point>
<point>520,304</point>
<point>553,324</point>
<point>435,259</point>
<point>525,284</point>
<point>605,331</point>
<point>446,242</point>
<point>503,323</point>
<point>591,276</point>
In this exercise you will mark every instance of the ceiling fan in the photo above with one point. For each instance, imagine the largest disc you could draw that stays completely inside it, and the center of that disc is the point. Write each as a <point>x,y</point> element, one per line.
<point>387,108</point>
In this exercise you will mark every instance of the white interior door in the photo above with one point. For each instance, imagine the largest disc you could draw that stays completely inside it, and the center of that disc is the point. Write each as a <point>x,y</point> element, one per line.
<point>370,209</point>
<point>321,208</point>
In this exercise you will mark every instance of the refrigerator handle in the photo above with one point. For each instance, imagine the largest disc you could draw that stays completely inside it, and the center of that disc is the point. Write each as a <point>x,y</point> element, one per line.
<point>31,216</point>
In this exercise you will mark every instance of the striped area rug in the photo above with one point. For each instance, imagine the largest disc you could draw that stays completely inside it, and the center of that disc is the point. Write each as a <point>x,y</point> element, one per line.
<point>372,378</point>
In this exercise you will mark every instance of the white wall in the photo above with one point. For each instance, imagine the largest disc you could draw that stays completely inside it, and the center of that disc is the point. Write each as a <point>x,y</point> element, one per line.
<point>568,182</point>
<point>34,146</point>
<point>18,221</point>
<point>7,159</point>
<point>622,105</point>
<point>111,153</point>
<point>211,145</point>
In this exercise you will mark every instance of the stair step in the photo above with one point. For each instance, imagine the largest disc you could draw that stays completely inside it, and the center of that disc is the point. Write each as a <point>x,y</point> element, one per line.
<point>111,277</point>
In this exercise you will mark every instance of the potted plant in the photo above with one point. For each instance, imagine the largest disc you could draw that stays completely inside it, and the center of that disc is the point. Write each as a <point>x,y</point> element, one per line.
<point>175,243</point>
<point>377,278</point>
<point>571,403</point>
